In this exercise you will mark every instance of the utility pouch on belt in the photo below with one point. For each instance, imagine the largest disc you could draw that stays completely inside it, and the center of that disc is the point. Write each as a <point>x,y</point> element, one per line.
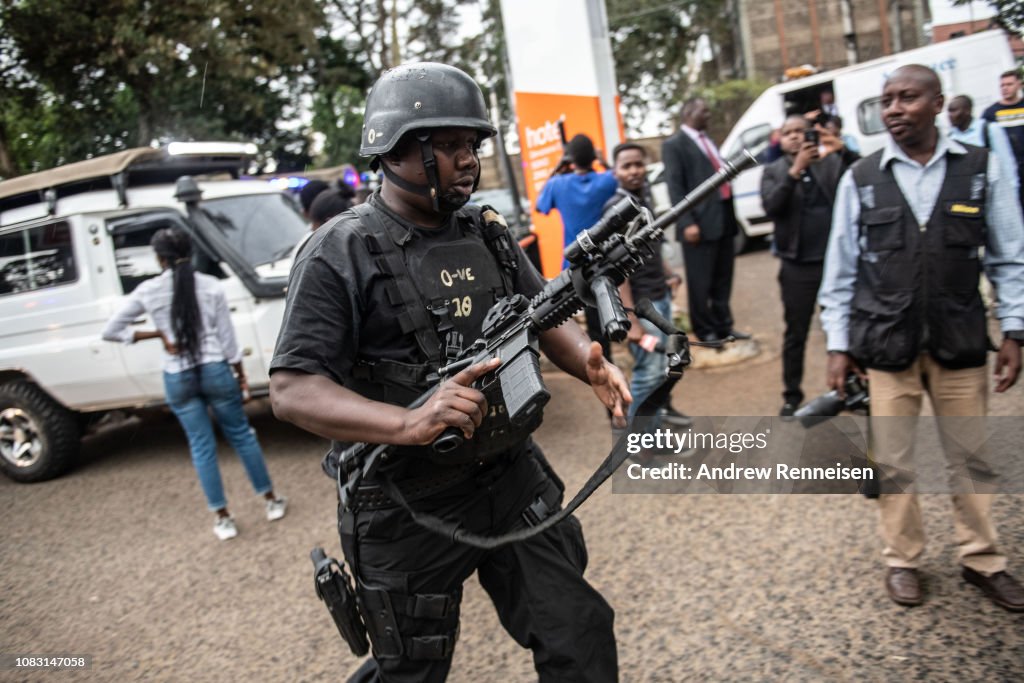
<point>334,587</point>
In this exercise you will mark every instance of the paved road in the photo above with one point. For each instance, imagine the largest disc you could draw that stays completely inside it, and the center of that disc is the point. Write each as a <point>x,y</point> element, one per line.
<point>117,561</point>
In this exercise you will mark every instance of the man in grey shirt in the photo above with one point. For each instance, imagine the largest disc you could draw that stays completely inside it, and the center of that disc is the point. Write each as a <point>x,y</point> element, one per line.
<point>900,299</point>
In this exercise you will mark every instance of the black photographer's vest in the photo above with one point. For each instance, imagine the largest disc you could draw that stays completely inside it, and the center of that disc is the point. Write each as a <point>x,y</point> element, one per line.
<point>917,285</point>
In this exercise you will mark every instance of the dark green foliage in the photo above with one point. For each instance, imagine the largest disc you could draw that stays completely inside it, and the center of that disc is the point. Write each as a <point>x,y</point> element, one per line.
<point>429,30</point>
<point>89,77</point>
<point>1010,14</point>
<point>728,101</point>
<point>654,43</point>
<point>83,78</point>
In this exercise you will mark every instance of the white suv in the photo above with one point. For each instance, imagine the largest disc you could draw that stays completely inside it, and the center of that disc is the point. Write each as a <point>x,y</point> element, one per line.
<point>75,240</point>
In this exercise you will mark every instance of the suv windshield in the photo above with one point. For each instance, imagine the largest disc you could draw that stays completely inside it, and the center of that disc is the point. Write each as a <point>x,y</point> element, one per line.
<point>262,228</point>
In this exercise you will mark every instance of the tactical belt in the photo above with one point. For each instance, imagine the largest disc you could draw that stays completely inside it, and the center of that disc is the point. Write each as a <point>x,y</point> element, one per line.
<point>372,496</point>
<point>453,530</point>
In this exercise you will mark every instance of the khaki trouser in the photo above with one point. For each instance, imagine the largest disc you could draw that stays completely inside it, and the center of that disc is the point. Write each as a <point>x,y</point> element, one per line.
<point>952,393</point>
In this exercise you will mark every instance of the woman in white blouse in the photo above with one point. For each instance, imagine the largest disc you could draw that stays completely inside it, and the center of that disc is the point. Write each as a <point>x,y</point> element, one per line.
<point>190,311</point>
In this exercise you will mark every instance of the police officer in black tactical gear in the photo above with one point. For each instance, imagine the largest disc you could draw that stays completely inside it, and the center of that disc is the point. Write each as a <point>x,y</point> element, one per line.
<point>382,296</point>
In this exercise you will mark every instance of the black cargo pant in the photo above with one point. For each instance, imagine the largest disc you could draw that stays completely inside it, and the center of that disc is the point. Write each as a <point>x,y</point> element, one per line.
<point>537,586</point>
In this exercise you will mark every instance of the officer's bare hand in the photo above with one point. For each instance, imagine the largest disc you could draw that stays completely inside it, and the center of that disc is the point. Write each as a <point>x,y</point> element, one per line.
<point>1007,365</point>
<point>839,366</point>
<point>455,404</point>
<point>608,384</point>
<point>691,233</point>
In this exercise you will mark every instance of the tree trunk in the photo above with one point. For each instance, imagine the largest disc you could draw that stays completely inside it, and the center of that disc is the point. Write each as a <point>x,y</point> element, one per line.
<point>7,167</point>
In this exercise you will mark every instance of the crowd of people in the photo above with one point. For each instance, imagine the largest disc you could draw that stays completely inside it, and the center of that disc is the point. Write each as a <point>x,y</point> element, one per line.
<point>371,316</point>
<point>892,248</point>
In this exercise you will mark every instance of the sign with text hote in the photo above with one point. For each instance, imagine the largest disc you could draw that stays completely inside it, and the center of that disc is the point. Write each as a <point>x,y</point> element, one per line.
<point>562,71</point>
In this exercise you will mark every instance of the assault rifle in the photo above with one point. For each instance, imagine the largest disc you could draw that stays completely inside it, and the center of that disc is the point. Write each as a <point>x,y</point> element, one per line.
<point>601,258</point>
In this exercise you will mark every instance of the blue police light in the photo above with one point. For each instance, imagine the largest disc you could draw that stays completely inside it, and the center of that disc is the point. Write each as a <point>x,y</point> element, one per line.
<point>293,183</point>
<point>351,177</point>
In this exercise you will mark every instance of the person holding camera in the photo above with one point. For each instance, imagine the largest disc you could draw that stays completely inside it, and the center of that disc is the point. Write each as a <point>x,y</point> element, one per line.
<point>798,190</point>
<point>576,189</point>
<point>579,193</point>
<point>900,299</point>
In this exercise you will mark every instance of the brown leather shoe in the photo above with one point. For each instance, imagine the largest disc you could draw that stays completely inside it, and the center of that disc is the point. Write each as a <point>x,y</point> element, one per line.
<point>903,586</point>
<point>1001,588</point>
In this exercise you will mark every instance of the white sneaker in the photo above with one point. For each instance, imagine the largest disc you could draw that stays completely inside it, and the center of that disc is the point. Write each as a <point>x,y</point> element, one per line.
<point>276,508</point>
<point>225,528</point>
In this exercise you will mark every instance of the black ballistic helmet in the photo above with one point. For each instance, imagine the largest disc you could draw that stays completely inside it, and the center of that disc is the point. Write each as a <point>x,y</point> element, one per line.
<point>417,96</point>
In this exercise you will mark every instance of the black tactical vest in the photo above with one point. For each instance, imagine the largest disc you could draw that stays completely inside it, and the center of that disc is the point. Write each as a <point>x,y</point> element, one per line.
<point>440,297</point>
<point>917,285</point>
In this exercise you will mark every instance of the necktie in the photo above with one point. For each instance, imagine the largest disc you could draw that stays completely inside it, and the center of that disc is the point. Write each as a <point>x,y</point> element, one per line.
<point>725,191</point>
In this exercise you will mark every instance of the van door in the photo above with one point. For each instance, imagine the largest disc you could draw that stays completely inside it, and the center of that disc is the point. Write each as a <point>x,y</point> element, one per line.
<point>260,231</point>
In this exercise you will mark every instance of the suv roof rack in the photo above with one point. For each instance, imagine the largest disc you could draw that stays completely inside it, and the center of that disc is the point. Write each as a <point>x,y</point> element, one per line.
<point>121,170</point>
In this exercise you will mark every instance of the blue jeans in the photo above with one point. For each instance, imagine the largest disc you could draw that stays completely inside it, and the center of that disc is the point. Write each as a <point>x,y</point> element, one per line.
<point>190,396</point>
<point>649,368</point>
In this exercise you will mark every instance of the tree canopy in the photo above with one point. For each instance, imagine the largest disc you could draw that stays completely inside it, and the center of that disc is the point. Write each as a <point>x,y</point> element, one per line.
<point>89,77</point>
<point>659,48</point>
<point>1009,14</point>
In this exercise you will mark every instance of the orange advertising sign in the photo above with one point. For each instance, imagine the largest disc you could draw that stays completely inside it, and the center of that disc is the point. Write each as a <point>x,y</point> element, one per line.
<point>538,115</point>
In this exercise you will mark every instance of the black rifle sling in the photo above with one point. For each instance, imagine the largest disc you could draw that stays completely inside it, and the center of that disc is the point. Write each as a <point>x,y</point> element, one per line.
<point>456,534</point>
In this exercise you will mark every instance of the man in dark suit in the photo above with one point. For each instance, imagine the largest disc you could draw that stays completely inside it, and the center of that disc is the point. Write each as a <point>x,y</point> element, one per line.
<point>707,231</point>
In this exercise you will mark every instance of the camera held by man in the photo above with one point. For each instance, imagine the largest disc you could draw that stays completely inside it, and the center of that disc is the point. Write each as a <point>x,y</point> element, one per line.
<point>855,399</point>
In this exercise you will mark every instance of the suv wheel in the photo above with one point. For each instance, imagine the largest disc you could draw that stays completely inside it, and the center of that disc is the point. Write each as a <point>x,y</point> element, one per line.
<point>39,438</point>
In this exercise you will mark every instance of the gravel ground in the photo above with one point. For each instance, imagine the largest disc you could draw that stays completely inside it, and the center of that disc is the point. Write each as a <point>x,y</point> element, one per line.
<point>117,560</point>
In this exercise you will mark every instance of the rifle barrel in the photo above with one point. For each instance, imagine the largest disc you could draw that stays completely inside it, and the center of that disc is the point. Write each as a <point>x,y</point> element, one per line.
<point>729,170</point>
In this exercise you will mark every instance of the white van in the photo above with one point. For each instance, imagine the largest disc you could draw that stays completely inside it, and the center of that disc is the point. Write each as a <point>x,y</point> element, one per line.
<point>967,66</point>
<point>75,240</point>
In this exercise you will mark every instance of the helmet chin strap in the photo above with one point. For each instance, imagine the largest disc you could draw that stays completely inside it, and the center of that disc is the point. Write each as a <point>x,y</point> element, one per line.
<point>432,188</point>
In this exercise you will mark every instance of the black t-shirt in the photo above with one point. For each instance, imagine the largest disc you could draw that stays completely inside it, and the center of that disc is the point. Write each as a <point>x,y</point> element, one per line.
<point>338,309</point>
<point>815,220</point>
<point>1011,118</point>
